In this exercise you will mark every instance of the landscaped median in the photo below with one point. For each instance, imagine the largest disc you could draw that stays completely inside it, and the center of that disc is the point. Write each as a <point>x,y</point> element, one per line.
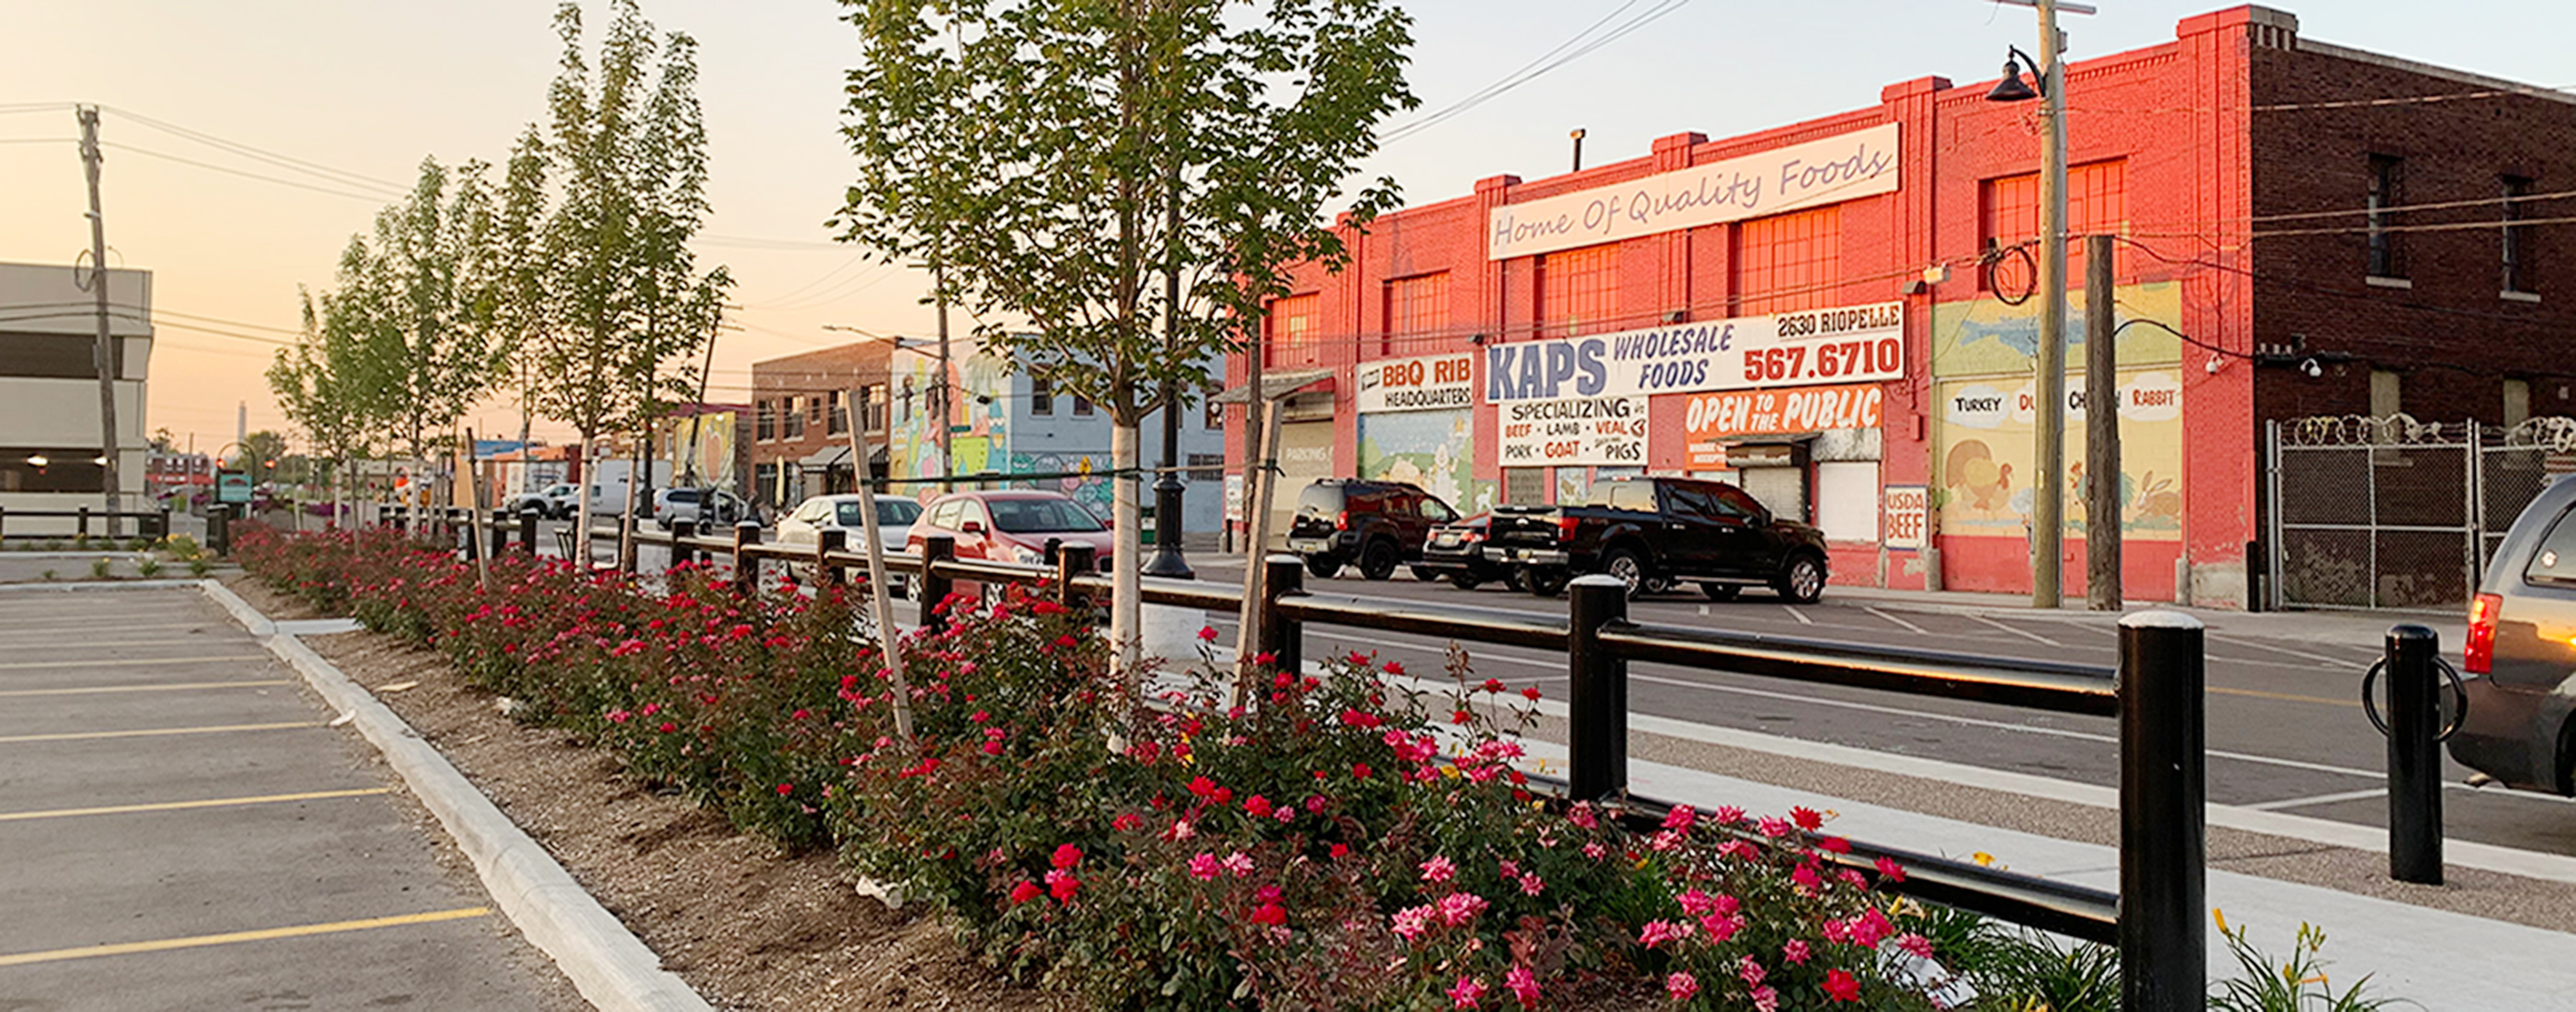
<point>1335,844</point>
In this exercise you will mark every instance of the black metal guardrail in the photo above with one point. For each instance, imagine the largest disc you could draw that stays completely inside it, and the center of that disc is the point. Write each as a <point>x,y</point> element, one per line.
<point>2155,691</point>
<point>147,523</point>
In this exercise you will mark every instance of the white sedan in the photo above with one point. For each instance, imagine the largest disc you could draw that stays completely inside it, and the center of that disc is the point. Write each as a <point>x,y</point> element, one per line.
<point>805,524</point>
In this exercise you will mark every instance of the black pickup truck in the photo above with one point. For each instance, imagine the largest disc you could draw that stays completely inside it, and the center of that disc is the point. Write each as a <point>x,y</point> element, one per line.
<point>1656,531</point>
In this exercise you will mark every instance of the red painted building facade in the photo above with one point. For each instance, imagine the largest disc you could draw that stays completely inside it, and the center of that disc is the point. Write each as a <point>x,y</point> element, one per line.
<point>1838,314</point>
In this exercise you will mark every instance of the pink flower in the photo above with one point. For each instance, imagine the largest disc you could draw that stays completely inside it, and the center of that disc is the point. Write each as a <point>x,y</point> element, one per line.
<point>1457,909</point>
<point>1411,922</point>
<point>1727,815</point>
<point>1181,830</point>
<point>619,716</point>
<point>1765,999</point>
<point>1523,983</point>
<point>1061,884</point>
<point>1681,986</point>
<point>1438,869</point>
<point>1807,818</point>
<point>1531,884</point>
<point>1869,928</point>
<point>1581,815</point>
<point>1915,944</point>
<point>1066,856</point>
<point>1893,871</point>
<point>1795,952</point>
<point>1025,891</point>
<point>1467,993</point>
<point>1840,985</point>
<point>1773,827</point>
<point>1806,878</point>
<point>1696,903</point>
<point>1270,915</point>
<point>1749,969</point>
<point>1721,927</point>
<point>1207,633</point>
<point>1203,867</point>
<point>1658,932</point>
<point>1680,818</point>
<point>1238,864</point>
<point>1594,851</point>
<point>1508,868</point>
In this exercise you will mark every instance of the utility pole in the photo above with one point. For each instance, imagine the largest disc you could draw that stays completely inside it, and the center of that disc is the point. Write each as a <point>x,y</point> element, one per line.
<point>103,356</point>
<point>2102,505</point>
<point>2048,450</point>
<point>940,416</point>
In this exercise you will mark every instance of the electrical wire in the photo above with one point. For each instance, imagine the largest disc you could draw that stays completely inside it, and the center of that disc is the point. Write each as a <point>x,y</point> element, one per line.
<point>245,173</point>
<point>1538,67</point>
<point>341,177</point>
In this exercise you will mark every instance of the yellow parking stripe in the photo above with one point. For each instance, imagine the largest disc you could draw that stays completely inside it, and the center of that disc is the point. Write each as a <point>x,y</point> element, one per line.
<point>2260,694</point>
<point>150,662</point>
<point>173,806</point>
<point>262,935</point>
<point>179,687</point>
<point>154,732</point>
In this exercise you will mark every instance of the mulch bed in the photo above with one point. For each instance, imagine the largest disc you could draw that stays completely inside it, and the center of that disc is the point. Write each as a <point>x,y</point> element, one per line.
<point>748,926</point>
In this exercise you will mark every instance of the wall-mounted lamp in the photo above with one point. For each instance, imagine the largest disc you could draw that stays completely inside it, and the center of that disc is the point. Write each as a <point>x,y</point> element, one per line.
<point>1477,340</point>
<point>37,460</point>
<point>2011,88</point>
<point>1677,316</point>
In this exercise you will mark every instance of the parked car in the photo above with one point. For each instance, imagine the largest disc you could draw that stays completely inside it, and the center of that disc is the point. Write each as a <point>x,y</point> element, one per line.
<point>701,506</point>
<point>556,502</point>
<point>1378,525</point>
<point>805,525</point>
<point>1456,552</point>
<point>2518,663</point>
<point>1012,526</point>
<point>1649,529</point>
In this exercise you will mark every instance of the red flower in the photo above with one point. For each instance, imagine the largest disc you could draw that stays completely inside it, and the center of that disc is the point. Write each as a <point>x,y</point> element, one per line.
<point>1340,851</point>
<point>786,789</point>
<point>1127,822</point>
<point>1461,717</point>
<point>1025,891</point>
<point>1047,608</point>
<point>1395,668</point>
<point>1066,856</point>
<point>668,727</point>
<point>1207,633</point>
<point>1202,786</point>
<point>1257,806</point>
<point>1531,692</point>
<point>1840,985</point>
<point>1271,914</point>
<point>1807,818</point>
<point>1360,770</point>
<point>1062,885</point>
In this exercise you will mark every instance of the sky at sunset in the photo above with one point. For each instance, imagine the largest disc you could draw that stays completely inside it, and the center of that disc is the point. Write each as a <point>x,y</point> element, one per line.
<point>362,91</point>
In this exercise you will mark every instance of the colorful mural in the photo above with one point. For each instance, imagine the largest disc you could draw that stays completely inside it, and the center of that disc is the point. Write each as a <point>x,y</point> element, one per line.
<point>980,435</point>
<point>712,456</point>
<point>1983,357</point>
<point>1430,449</point>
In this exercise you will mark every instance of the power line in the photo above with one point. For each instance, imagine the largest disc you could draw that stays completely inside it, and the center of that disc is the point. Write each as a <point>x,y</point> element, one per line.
<point>1539,67</point>
<point>245,173</point>
<point>338,176</point>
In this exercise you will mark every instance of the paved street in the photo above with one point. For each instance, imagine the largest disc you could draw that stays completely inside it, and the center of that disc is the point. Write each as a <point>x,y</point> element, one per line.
<point>185,831</point>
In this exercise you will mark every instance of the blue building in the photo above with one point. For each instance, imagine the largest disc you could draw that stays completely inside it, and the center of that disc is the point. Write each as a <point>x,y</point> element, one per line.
<point>1003,422</point>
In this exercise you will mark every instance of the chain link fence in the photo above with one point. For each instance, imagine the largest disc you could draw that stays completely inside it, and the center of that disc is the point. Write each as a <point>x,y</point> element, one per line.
<point>2396,513</point>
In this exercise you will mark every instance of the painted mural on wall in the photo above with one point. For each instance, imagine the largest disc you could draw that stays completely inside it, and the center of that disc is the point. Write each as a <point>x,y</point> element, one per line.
<point>711,457</point>
<point>1983,358</point>
<point>1430,449</point>
<point>981,436</point>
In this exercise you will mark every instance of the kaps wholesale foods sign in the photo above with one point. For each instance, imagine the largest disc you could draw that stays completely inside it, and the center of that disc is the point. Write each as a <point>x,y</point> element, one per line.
<point>1429,383</point>
<point>1846,345</point>
<point>1838,168</point>
<point>1573,432</point>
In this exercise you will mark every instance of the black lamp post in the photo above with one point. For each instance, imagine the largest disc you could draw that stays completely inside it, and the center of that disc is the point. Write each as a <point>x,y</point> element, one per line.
<point>1167,560</point>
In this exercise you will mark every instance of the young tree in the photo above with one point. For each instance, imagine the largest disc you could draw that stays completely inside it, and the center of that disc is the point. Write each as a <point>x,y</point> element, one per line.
<point>321,385</point>
<point>614,298</point>
<point>398,295</point>
<point>1058,157</point>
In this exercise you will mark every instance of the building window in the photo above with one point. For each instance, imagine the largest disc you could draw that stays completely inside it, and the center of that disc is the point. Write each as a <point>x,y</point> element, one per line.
<point>2387,393</point>
<point>764,423</point>
<point>2387,191</point>
<point>1041,395</point>
<point>1578,290</point>
<point>837,416</point>
<point>1206,466</point>
<point>872,407</point>
<point>1081,406</point>
<point>2097,203</point>
<point>794,420</point>
<point>1415,308</point>
<point>2517,236</point>
<point>1788,262</point>
<point>1292,339</point>
<point>814,408</point>
<point>51,469</point>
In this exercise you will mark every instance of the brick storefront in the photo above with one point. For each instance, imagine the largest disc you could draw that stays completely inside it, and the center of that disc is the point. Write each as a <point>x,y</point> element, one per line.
<point>800,413</point>
<point>2236,165</point>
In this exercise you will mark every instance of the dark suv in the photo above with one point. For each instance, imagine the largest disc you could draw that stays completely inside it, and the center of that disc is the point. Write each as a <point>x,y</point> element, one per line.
<point>2520,657</point>
<point>1377,524</point>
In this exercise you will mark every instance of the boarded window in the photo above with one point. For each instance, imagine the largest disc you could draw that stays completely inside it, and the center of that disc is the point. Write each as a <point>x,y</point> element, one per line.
<point>1578,291</point>
<point>1788,262</point>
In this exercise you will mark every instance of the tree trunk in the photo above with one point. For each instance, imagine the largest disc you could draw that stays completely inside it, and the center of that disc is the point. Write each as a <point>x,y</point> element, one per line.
<point>1256,505</point>
<point>1127,555</point>
<point>582,517</point>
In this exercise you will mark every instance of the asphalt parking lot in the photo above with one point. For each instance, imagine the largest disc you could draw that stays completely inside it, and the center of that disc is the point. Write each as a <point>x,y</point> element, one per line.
<point>184,830</point>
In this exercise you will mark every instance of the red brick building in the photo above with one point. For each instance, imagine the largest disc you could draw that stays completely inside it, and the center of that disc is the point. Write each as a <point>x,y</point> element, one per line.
<point>800,418</point>
<point>1837,314</point>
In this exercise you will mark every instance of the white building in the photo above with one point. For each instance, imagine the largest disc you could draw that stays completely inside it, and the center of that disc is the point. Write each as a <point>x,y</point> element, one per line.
<point>50,457</point>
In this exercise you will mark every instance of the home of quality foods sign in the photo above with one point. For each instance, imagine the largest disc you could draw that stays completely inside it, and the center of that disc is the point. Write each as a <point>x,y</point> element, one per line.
<point>1573,432</point>
<point>1417,384</point>
<point>1838,168</point>
<point>1817,346</point>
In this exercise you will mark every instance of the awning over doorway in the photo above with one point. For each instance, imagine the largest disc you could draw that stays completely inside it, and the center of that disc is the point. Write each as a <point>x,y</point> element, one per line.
<point>1277,385</point>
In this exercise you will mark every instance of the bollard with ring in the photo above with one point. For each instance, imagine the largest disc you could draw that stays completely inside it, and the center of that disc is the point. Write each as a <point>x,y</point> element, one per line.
<point>2415,731</point>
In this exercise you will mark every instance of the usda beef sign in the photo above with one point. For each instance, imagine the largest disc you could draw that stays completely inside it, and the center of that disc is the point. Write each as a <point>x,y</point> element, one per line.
<point>1846,345</point>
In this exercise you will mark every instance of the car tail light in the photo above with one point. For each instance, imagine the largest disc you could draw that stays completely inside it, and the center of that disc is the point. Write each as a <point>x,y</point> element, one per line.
<point>1342,520</point>
<point>2478,655</point>
<point>1565,526</point>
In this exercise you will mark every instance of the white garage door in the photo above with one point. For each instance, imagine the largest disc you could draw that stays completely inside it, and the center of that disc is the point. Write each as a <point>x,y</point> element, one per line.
<point>1847,499</point>
<point>1782,490</point>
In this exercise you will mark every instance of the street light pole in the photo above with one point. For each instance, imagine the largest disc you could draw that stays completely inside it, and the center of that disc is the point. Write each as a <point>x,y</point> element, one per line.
<point>2048,435</point>
<point>1167,560</point>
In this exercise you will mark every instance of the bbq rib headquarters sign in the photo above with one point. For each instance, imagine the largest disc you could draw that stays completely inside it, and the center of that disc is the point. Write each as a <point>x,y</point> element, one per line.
<point>1838,168</point>
<point>1853,344</point>
<point>1429,383</point>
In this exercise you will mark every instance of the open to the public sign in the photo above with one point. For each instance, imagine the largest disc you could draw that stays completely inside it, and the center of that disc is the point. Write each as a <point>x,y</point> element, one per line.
<point>232,486</point>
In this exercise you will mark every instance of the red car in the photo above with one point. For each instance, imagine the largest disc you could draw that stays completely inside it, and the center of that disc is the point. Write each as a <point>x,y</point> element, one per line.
<point>1011,526</point>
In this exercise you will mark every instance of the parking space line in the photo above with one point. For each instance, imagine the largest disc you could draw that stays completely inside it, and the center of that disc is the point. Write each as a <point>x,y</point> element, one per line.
<point>2023,633</point>
<point>156,732</point>
<point>1918,630</point>
<point>142,663</point>
<point>2288,696</point>
<point>56,628</point>
<point>2302,655</point>
<point>180,687</point>
<point>57,642</point>
<point>174,806</point>
<point>1796,614</point>
<point>2317,799</point>
<point>261,935</point>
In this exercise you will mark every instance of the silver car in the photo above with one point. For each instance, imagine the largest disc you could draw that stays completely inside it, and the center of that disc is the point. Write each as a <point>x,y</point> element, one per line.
<point>705,507</point>
<point>2520,658</point>
<point>804,525</point>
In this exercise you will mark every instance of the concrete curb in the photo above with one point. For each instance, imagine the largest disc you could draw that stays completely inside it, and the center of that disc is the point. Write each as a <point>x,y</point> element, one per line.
<point>609,966</point>
<point>183,583</point>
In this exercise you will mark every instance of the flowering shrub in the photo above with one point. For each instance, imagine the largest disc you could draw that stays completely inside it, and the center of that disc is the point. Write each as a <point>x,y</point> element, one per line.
<point>1337,842</point>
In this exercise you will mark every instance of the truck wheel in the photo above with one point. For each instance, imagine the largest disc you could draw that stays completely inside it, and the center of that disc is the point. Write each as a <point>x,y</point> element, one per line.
<point>1803,582</point>
<point>1627,568</point>
<point>1544,582</point>
<point>1323,566</point>
<point>1720,591</point>
<point>1425,575</point>
<point>1378,559</point>
<point>1465,581</point>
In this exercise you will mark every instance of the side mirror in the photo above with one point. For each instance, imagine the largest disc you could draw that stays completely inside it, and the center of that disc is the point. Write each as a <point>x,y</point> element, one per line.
<point>971,527</point>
